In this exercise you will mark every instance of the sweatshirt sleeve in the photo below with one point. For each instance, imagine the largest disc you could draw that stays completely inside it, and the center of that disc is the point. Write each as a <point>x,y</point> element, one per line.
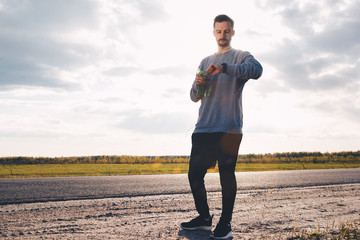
<point>193,95</point>
<point>250,68</point>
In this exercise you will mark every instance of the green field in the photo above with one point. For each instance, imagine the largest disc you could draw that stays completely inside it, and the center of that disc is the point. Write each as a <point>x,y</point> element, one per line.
<point>60,170</point>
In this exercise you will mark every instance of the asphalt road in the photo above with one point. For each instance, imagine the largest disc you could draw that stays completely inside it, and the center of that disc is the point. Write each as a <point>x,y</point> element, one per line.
<point>29,190</point>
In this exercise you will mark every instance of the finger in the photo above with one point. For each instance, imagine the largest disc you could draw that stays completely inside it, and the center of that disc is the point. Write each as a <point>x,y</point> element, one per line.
<point>199,81</point>
<point>212,69</point>
<point>200,77</point>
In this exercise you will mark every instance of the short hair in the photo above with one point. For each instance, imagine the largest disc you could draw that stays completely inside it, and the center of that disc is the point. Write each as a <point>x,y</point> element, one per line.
<point>224,18</point>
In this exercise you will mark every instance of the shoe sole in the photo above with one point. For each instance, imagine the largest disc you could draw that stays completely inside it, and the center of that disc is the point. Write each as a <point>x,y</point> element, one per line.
<point>205,228</point>
<point>229,235</point>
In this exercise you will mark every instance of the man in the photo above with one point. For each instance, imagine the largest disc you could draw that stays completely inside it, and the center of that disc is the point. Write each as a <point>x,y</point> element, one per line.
<point>218,131</point>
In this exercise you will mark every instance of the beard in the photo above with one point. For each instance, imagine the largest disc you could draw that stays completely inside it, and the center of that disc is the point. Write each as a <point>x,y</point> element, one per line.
<point>224,42</point>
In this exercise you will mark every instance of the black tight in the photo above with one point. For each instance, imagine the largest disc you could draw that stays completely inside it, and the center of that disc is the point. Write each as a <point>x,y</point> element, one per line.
<point>207,149</point>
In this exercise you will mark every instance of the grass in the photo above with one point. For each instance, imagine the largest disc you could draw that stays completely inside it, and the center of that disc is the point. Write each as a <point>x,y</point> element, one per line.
<point>346,231</point>
<point>60,170</point>
<point>248,167</point>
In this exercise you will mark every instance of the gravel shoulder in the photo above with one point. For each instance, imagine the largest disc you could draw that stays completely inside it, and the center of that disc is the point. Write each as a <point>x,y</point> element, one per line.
<point>268,213</point>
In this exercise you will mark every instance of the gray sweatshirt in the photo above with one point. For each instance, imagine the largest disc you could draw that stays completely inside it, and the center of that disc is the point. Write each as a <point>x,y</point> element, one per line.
<point>222,110</point>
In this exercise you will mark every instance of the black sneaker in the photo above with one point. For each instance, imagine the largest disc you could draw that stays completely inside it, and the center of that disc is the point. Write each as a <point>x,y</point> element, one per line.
<point>197,223</point>
<point>222,231</point>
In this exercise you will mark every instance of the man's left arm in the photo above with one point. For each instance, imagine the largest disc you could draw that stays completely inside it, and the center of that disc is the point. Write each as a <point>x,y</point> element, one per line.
<point>250,68</point>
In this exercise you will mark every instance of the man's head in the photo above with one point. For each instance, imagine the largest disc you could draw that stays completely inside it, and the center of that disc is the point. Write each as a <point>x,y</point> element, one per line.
<point>224,18</point>
<point>223,30</point>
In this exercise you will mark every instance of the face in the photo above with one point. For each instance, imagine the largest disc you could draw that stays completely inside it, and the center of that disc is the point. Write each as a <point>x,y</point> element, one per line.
<point>223,33</point>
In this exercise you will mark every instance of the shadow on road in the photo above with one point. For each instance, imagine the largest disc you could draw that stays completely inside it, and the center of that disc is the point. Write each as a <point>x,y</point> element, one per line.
<point>195,235</point>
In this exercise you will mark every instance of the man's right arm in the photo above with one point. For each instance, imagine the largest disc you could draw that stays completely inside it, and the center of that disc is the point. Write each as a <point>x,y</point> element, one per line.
<point>198,81</point>
<point>193,95</point>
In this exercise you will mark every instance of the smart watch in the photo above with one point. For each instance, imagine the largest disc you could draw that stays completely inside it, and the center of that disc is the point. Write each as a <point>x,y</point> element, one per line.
<point>224,67</point>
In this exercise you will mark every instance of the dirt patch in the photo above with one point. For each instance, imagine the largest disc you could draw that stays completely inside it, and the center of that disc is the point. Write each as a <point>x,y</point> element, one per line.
<point>258,214</point>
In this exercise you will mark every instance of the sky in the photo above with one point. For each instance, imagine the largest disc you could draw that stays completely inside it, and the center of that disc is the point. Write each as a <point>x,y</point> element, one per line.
<point>112,77</point>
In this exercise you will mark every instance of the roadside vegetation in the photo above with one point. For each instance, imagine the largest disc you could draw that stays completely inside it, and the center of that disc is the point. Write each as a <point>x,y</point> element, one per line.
<point>346,231</point>
<point>138,165</point>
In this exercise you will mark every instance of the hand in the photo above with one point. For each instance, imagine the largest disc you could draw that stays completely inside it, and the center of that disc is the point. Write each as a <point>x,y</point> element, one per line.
<point>214,70</point>
<point>199,79</point>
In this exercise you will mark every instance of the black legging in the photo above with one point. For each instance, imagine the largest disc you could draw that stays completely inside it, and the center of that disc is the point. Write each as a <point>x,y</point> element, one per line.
<point>207,148</point>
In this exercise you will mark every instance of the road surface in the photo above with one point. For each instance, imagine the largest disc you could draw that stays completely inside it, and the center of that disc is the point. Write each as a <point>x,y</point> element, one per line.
<point>31,190</point>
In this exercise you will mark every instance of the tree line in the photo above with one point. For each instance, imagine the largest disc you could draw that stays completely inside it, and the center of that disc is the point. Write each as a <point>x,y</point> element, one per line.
<point>288,157</point>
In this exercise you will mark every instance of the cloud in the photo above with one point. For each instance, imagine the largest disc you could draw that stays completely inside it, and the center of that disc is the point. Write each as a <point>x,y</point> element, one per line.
<point>121,71</point>
<point>49,44</point>
<point>157,123</point>
<point>323,53</point>
<point>340,106</point>
<point>150,10</point>
<point>45,134</point>
<point>178,71</point>
<point>30,53</point>
<point>38,15</point>
<point>172,73</point>
<point>22,73</point>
